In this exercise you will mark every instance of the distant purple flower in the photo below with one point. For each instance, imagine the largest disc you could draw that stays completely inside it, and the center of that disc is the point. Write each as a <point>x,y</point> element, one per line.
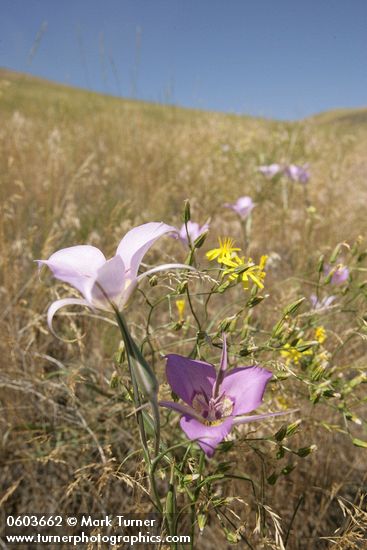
<point>298,173</point>
<point>340,273</point>
<point>323,303</point>
<point>99,280</point>
<point>270,170</point>
<point>214,402</point>
<point>193,229</point>
<point>243,206</point>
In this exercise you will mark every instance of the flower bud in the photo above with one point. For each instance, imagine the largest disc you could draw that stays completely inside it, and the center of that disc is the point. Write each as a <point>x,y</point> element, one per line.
<point>252,302</point>
<point>292,428</point>
<point>225,324</point>
<point>335,253</point>
<point>201,518</point>
<point>320,265</point>
<point>153,281</point>
<point>278,329</point>
<point>221,288</point>
<point>198,243</point>
<point>306,346</point>
<point>305,451</point>
<point>293,308</point>
<point>181,288</point>
<point>115,380</point>
<point>281,433</point>
<point>272,479</point>
<point>187,211</point>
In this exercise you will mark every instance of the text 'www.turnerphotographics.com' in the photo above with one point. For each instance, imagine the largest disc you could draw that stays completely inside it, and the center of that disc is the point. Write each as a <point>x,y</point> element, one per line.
<point>85,528</point>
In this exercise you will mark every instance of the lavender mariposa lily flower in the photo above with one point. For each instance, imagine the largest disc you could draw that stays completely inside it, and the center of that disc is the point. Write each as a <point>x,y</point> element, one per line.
<point>214,402</point>
<point>298,173</point>
<point>270,170</point>
<point>243,206</point>
<point>339,273</point>
<point>324,303</point>
<point>193,229</point>
<point>102,281</point>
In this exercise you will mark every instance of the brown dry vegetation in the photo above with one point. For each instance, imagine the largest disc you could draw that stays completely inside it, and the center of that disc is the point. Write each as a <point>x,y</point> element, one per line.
<point>77,167</point>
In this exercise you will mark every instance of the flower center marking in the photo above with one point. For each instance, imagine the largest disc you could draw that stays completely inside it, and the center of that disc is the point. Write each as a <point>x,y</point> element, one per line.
<point>212,409</point>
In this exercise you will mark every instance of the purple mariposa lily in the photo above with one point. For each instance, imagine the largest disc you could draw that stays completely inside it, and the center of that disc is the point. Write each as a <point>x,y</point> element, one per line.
<point>214,402</point>
<point>298,173</point>
<point>323,303</point>
<point>243,206</point>
<point>102,281</point>
<point>194,230</point>
<point>339,273</point>
<point>270,170</point>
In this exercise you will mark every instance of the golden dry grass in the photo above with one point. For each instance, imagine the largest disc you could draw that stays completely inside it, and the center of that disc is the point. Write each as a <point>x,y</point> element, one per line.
<point>77,167</point>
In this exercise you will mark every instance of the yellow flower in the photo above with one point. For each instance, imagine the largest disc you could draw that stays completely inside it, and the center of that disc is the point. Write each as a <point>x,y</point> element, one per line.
<point>282,402</point>
<point>251,271</point>
<point>293,355</point>
<point>181,305</point>
<point>225,253</point>
<point>320,334</point>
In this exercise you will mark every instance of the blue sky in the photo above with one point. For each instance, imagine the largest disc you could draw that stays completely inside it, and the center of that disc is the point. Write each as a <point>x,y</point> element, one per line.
<point>277,58</point>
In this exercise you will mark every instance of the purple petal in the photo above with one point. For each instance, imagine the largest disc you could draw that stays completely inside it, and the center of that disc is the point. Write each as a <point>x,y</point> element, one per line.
<point>292,172</point>
<point>314,301</point>
<point>340,276</point>
<point>137,242</point>
<point>208,437</point>
<point>188,377</point>
<point>320,304</point>
<point>58,304</point>
<point>243,206</point>
<point>327,301</point>
<point>255,417</point>
<point>109,282</point>
<point>76,265</point>
<point>246,386</point>
<point>270,170</point>
<point>193,229</point>
<point>297,173</point>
